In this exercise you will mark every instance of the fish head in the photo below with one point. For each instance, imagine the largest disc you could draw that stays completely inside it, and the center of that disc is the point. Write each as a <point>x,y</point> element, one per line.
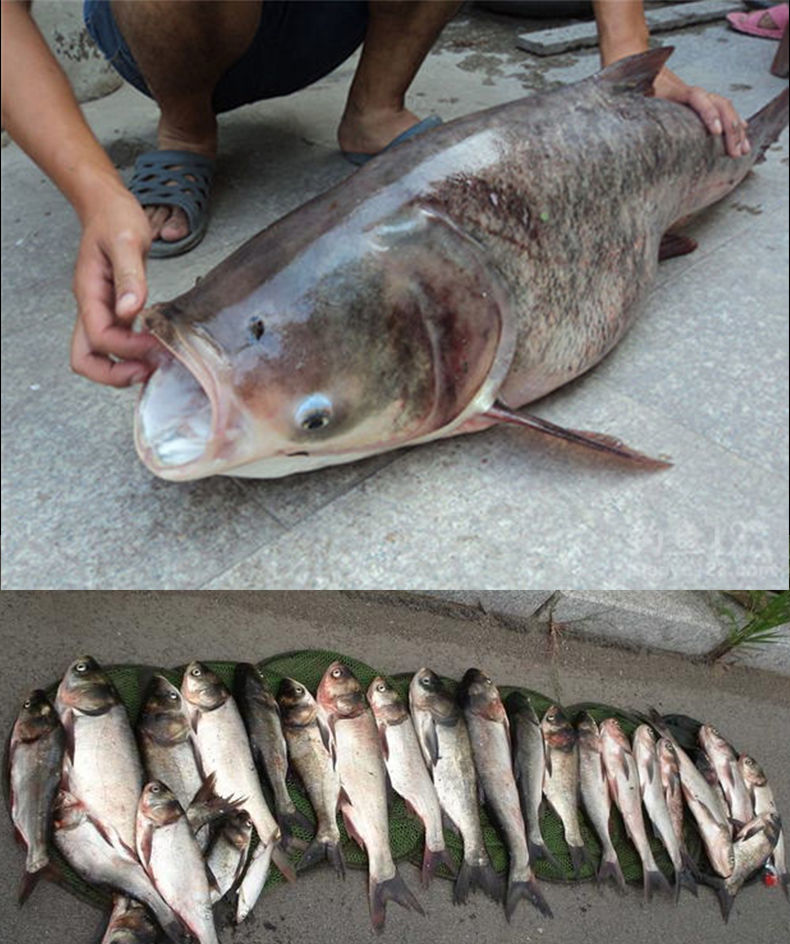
<point>427,692</point>
<point>131,924</point>
<point>297,705</point>
<point>751,771</point>
<point>610,728</point>
<point>478,694</point>
<point>558,732</point>
<point>644,735</point>
<point>667,755</point>
<point>86,688</point>
<point>254,687</point>
<point>203,688</point>
<point>158,804</point>
<point>68,812</point>
<point>367,337</point>
<point>339,691</point>
<point>587,729</point>
<point>238,829</point>
<point>163,716</point>
<point>36,718</point>
<point>386,703</point>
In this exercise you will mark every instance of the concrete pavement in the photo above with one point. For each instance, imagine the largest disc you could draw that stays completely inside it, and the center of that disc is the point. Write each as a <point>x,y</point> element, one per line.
<point>41,633</point>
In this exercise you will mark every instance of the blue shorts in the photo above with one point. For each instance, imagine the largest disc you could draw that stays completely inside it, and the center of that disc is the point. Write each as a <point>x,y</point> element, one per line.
<point>295,45</point>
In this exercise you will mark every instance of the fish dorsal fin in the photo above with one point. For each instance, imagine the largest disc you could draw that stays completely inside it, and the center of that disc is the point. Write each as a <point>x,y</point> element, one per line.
<point>635,73</point>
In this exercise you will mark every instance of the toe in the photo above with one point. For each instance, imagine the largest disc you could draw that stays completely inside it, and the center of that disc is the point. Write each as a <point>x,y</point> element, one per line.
<point>176,226</point>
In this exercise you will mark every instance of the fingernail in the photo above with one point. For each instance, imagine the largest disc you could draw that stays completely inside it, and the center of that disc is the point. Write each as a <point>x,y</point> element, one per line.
<point>139,377</point>
<point>746,147</point>
<point>127,300</point>
<point>717,128</point>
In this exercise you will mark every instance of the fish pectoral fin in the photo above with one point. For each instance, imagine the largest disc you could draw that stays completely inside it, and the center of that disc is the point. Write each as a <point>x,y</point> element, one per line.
<point>67,720</point>
<point>601,442</point>
<point>429,737</point>
<point>145,834</point>
<point>675,244</point>
<point>383,741</point>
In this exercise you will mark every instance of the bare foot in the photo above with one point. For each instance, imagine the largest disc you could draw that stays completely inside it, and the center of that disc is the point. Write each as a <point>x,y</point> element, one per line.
<point>170,223</point>
<point>370,131</point>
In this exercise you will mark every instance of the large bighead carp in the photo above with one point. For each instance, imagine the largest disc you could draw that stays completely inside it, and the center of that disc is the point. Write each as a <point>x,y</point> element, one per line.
<point>448,282</point>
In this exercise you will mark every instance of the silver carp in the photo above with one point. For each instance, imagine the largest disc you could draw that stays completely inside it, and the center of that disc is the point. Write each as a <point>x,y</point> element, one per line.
<point>529,765</point>
<point>561,780</point>
<point>262,718</point>
<point>489,734</point>
<point>654,800</point>
<point>669,772</point>
<point>308,740</point>
<point>450,281</point>
<point>754,843</point>
<point>407,771</point>
<point>102,765</point>
<point>623,780</point>
<point>172,858</point>
<point>596,798</point>
<point>227,857</point>
<point>763,800</point>
<point>84,844</point>
<point>364,780</point>
<point>35,757</point>
<point>444,741</point>
<point>129,923</point>
<point>224,750</point>
<point>725,762</point>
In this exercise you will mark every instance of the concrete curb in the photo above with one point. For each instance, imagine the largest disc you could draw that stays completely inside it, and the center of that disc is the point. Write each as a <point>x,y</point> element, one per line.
<point>689,622</point>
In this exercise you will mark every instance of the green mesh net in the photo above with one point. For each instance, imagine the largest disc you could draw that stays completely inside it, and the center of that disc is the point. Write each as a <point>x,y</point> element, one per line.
<point>405,829</point>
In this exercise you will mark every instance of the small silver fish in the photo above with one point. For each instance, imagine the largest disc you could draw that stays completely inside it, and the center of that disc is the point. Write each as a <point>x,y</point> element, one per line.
<point>763,800</point>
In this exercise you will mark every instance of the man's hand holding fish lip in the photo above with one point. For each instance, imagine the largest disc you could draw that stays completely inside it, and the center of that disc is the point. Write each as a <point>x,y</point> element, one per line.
<point>109,282</point>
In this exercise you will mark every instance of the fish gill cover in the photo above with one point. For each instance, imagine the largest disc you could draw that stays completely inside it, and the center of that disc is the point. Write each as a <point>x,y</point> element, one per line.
<point>405,830</point>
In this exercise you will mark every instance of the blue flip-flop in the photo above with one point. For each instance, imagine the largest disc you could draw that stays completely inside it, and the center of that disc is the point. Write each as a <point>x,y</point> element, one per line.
<point>175,178</point>
<point>432,121</point>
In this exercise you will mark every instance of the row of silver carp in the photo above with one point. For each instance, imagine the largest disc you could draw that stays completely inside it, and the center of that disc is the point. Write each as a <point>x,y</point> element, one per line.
<point>164,815</point>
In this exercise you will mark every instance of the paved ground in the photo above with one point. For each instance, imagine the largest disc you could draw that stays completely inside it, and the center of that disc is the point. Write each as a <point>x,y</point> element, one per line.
<point>702,377</point>
<point>42,633</point>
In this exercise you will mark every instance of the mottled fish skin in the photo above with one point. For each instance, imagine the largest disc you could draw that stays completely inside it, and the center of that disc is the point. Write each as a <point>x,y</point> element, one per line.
<point>170,855</point>
<point>754,844</point>
<point>35,756</point>
<point>308,742</point>
<point>621,774</point>
<point>129,923</point>
<point>102,766</point>
<point>703,803</point>
<point>652,791</point>
<point>360,767</point>
<point>595,797</point>
<point>529,765</point>
<point>489,734</point>
<point>407,771</point>
<point>725,763</point>
<point>164,735</point>
<point>763,800</point>
<point>262,718</point>
<point>444,741</point>
<point>315,341</point>
<point>84,845</point>
<point>561,779</point>
<point>227,857</point>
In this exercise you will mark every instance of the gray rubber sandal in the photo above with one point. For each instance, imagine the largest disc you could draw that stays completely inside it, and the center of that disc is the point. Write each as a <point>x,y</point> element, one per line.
<point>432,121</point>
<point>162,178</point>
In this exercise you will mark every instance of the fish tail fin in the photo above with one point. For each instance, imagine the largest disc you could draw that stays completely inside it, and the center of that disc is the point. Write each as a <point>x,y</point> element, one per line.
<point>686,879</point>
<point>283,863</point>
<point>767,124</point>
<point>539,850</point>
<point>290,820</point>
<point>431,860</point>
<point>580,859</point>
<point>610,869</point>
<point>320,849</point>
<point>725,899</point>
<point>29,882</point>
<point>655,881</point>
<point>393,889</point>
<point>529,890</point>
<point>482,876</point>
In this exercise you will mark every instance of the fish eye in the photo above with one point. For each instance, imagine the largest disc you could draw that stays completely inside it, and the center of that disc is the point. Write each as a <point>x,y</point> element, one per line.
<point>196,673</point>
<point>381,687</point>
<point>27,703</point>
<point>336,673</point>
<point>298,690</point>
<point>314,412</point>
<point>173,696</point>
<point>256,327</point>
<point>154,788</point>
<point>81,667</point>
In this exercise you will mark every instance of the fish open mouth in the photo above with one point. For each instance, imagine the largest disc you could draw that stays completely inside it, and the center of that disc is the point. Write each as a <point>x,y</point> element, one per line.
<point>178,417</point>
